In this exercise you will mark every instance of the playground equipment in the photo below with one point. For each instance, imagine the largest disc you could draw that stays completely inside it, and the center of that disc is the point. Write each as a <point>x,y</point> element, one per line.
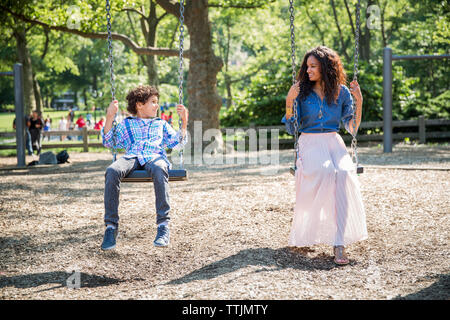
<point>142,175</point>
<point>354,145</point>
<point>387,91</point>
<point>20,111</point>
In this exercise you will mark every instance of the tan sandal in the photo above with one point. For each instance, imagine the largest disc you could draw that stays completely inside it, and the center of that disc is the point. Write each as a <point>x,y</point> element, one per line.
<point>340,258</point>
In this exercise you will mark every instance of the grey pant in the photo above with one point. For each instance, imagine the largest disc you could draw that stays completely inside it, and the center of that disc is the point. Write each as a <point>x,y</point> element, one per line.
<point>158,170</point>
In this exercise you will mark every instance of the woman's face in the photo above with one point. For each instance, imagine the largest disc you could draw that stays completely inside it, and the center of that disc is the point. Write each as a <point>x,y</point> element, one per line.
<point>313,69</point>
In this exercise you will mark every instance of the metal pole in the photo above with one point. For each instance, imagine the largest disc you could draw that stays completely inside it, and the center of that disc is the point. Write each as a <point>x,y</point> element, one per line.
<point>20,114</point>
<point>387,100</point>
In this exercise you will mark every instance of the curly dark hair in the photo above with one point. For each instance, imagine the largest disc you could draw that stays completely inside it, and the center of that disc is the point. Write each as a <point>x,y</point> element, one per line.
<point>140,94</point>
<point>331,70</point>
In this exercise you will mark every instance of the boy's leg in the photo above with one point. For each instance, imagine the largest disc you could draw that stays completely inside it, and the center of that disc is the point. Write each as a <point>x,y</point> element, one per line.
<point>160,174</point>
<point>114,174</point>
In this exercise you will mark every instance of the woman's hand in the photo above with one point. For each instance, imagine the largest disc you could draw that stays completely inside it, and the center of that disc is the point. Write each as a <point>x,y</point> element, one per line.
<point>356,92</point>
<point>293,91</point>
<point>291,96</point>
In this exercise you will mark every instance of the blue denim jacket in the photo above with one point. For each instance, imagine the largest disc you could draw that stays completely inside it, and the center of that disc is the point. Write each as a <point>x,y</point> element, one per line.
<point>332,115</point>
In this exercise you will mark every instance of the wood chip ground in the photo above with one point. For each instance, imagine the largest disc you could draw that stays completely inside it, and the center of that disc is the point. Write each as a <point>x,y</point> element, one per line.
<point>229,230</point>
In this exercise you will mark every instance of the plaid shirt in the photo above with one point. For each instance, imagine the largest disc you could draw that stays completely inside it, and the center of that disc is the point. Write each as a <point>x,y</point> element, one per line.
<point>145,139</point>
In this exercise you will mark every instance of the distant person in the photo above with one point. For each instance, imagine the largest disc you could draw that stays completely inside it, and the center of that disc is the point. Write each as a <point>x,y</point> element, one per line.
<point>48,125</point>
<point>163,116</point>
<point>99,125</point>
<point>89,119</point>
<point>36,126</point>
<point>62,127</point>
<point>28,145</point>
<point>70,118</point>
<point>170,118</point>
<point>81,123</point>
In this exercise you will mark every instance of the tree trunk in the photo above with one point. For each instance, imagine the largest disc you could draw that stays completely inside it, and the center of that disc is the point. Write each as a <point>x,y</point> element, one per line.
<point>38,96</point>
<point>204,102</point>
<point>85,98</point>
<point>149,26</point>
<point>24,58</point>
<point>341,37</point>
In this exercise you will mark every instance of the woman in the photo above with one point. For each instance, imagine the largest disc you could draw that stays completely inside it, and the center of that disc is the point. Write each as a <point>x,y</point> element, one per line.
<point>329,208</point>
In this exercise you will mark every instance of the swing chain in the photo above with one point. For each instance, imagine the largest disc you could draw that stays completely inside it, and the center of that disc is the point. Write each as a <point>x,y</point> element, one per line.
<point>180,71</point>
<point>111,69</point>
<point>291,10</point>
<point>180,75</point>
<point>354,145</point>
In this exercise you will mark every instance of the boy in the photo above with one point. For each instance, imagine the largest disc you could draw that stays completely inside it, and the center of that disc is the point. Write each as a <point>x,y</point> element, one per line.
<point>144,137</point>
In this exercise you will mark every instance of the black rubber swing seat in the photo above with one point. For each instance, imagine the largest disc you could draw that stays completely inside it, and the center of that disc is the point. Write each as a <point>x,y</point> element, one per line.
<point>359,170</point>
<point>144,176</point>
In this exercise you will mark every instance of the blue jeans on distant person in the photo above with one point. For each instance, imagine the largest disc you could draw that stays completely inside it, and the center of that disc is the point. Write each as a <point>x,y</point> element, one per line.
<point>158,170</point>
<point>28,144</point>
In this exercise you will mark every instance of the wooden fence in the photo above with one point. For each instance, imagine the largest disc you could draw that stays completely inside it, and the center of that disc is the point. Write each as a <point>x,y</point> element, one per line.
<point>421,124</point>
<point>423,133</point>
<point>74,134</point>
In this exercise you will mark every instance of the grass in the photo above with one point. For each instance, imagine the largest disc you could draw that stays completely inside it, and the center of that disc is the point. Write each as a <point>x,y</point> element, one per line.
<point>7,118</point>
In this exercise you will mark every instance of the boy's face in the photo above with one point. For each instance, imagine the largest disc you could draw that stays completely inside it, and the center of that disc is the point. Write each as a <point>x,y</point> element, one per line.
<point>148,109</point>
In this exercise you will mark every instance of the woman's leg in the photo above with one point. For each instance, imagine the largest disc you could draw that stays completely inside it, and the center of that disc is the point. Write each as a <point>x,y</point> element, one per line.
<point>350,215</point>
<point>314,222</point>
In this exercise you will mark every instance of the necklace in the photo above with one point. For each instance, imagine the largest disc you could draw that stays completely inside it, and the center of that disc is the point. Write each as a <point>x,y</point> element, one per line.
<point>320,108</point>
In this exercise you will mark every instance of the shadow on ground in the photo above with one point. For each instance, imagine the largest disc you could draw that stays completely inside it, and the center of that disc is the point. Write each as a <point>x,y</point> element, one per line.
<point>274,259</point>
<point>440,290</point>
<point>60,278</point>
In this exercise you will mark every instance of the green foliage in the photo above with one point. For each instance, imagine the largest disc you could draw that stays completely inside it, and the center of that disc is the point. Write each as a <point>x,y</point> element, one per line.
<point>253,39</point>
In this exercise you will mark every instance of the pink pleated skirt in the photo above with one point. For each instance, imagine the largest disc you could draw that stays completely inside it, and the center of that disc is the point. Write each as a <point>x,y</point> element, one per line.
<point>329,207</point>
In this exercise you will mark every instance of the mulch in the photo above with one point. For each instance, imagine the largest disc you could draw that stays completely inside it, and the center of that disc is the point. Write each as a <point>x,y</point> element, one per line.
<point>229,229</point>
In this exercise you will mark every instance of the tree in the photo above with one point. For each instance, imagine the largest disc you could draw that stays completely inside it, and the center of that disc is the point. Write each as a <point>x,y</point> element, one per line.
<point>204,102</point>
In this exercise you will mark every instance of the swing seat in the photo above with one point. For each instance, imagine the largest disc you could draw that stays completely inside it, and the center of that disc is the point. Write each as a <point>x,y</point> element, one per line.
<point>359,170</point>
<point>144,176</point>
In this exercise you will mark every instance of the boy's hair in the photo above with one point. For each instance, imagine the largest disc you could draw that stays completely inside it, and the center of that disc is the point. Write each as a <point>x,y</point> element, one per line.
<point>140,94</point>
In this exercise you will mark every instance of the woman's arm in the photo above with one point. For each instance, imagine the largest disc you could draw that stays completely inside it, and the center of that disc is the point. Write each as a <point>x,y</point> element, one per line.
<point>356,92</point>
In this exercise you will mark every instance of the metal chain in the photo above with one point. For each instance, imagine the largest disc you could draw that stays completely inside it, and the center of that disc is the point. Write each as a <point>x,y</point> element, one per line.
<point>180,74</point>
<point>111,70</point>
<point>291,10</point>
<point>354,145</point>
